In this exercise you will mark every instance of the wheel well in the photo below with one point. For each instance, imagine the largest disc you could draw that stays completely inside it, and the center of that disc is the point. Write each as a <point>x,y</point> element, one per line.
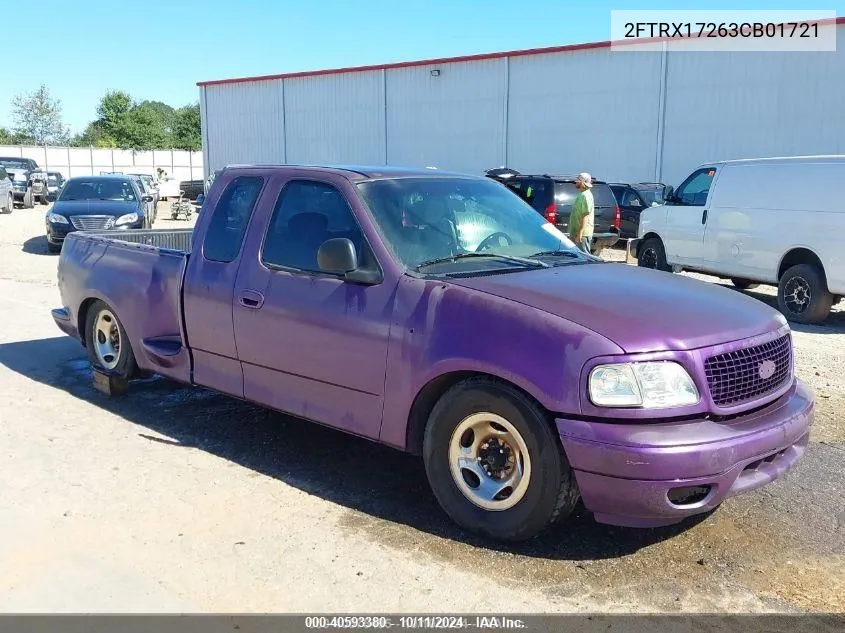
<point>83,314</point>
<point>799,256</point>
<point>428,397</point>
<point>648,236</point>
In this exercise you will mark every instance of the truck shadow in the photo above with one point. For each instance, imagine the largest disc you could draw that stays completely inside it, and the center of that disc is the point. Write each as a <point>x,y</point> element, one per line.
<point>355,473</point>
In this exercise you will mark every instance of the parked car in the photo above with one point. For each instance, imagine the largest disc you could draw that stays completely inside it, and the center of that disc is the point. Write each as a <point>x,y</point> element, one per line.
<point>17,163</point>
<point>19,170</point>
<point>95,203</point>
<point>55,180</point>
<point>632,199</point>
<point>7,199</point>
<point>151,206</point>
<point>151,184</point>
<point>192,188</point>
<point>736,219</point>
<point>37,186</point>
<point>524,372</point>
<point>553,197</point>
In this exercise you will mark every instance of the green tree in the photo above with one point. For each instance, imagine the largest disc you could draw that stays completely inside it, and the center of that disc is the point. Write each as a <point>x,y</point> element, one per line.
<point>94,136</point>
<point>112,112</point>
<point>7,137</point>
<point>38,117</point>
<point>187,129</point>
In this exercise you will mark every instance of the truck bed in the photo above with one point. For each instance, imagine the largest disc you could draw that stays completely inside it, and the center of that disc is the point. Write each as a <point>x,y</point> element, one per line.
<point>139,275</point>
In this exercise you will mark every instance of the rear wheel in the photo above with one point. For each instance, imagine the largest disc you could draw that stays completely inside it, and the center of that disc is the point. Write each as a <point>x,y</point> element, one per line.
<point>651,254</point>
<point>10,204</point>
<point>803,296</point>
<point>493,462</point>
<point>108,346</point>
<point>744,284</point>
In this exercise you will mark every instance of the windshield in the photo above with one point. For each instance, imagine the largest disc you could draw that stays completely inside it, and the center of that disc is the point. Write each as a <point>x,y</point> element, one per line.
<point>98,189</point>
<point>651,196</point>
<point>426,219</point>
<point>15,163</point>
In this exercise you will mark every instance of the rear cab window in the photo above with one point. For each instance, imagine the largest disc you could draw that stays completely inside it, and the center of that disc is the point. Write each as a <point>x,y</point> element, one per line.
<point>227,228</point>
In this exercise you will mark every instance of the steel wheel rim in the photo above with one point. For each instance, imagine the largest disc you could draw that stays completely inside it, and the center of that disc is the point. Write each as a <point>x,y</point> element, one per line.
<point>797,295</point>
<point>649,258</point>
<point>489,461</point>
<point>107,339</point>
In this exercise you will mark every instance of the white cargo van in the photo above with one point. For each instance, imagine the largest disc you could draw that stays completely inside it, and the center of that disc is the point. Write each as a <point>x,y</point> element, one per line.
<point>778,221</point>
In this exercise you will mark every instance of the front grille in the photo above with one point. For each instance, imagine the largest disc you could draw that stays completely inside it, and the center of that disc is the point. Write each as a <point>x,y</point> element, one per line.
<point>750,373</point>
<point>92,222</point>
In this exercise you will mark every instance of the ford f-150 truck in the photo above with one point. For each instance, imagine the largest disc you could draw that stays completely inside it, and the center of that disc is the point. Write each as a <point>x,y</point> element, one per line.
<point>440,314</point>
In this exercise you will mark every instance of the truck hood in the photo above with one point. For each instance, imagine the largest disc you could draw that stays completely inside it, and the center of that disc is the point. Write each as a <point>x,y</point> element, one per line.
<point>639,309</point>
<point>114,208</point>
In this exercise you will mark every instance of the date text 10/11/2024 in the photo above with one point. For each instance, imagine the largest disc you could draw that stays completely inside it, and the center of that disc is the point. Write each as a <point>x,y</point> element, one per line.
<point>413,622</point>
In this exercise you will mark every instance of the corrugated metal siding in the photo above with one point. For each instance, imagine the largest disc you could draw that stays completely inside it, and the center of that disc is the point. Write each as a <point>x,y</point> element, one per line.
<point>452,121</point>
<point>244,124</point>
<point>335,119</point>
<point>593,110</point>
<point>597,110</point>
<point>750,105</point>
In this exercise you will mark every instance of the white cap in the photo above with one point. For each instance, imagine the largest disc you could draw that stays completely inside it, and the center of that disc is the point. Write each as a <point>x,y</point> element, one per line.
<point>584,178</point>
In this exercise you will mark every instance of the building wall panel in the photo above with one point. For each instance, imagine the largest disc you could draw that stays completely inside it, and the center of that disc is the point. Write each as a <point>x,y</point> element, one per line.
<point>750,105</point>
<point>335,119</point>
<point>244,123</point>
<point>451,121</point>
<point>592,110</point>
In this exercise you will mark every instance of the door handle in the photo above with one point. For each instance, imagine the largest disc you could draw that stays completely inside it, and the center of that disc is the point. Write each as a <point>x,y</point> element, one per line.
<point>704,217</point>
<point>251,299</point>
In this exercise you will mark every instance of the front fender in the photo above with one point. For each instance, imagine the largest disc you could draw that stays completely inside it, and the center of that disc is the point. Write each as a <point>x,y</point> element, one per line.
<point>441,329</point>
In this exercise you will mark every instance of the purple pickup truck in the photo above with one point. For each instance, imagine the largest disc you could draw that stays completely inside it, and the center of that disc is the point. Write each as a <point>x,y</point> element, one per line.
<point>438,313</point>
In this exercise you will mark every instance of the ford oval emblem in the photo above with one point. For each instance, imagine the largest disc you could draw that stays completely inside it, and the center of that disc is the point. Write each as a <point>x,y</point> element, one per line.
<point>766,369</point>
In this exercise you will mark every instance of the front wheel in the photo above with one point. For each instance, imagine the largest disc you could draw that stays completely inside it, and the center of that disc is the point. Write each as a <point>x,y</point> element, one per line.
<point>652,254</point>
<point>10,204</point>
<point>107,343</point>
<point>803,296</point>
<point>493,462</point>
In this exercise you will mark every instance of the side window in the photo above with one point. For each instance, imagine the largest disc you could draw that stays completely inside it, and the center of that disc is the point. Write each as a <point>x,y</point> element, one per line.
<point>231,217</point>
<point>565,194</point>
<point>307,214</point>
<point>630,199</point>
<point>693,192</point>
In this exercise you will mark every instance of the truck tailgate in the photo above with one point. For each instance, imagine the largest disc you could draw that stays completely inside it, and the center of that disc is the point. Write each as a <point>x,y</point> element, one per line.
<point>139,275</point>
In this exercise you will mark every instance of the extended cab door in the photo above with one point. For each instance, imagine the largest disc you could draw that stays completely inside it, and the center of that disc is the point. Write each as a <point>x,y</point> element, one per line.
<point>686,217</point>
<point>313,344</point>
<point>208,289</point>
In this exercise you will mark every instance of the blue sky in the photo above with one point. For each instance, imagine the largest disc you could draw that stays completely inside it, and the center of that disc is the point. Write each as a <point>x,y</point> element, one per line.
<point>159,49</point>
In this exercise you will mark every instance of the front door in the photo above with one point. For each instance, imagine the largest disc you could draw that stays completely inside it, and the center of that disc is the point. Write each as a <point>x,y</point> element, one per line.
<point>686,218</point>
<point>312,344</point>
<point>210,280</point>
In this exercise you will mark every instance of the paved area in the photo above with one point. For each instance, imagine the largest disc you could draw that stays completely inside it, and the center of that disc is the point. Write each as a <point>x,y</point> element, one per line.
<point>177,499</point>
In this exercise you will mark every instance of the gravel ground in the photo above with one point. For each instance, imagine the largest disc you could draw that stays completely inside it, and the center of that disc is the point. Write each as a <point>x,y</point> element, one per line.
<point>177,499</point>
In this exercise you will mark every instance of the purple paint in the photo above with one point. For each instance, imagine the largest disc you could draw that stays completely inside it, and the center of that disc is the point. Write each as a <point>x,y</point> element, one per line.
<point>356,356</point>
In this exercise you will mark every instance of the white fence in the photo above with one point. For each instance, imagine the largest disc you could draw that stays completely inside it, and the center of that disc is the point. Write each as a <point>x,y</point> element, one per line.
<point>90,161</point>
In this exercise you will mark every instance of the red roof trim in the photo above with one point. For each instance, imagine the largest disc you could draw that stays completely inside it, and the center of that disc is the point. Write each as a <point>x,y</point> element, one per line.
<point>452,60</point>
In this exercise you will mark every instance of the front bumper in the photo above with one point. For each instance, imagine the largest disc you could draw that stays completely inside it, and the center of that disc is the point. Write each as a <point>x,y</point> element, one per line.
<point>64,322</point>
<point>625,472</point>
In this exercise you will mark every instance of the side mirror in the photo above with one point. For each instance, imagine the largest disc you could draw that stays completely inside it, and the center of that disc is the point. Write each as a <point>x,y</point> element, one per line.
<point>338,256</point>
<point>668,192</point>
<point>200,200</point>
<point>146,198</point>
<point>51,197</point>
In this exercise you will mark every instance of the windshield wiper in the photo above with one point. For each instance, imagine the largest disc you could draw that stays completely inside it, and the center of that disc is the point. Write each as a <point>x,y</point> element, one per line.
<point>534,263</point>
<point>572,254</point>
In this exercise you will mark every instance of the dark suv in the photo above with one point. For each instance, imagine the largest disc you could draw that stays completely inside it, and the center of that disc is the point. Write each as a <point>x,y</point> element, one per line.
<point>633,198</point>
<point>553,196</point>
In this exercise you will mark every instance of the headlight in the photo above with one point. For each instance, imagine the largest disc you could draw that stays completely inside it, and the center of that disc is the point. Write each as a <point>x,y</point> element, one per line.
<point>652,385</point>
<point>129,218</point>
<point>55,218</point>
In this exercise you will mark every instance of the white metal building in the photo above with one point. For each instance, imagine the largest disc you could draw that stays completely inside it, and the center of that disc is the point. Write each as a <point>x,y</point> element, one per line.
<point>622,115</point>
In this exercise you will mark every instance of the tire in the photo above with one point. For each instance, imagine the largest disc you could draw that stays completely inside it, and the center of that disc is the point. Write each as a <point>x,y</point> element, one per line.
<point>122,364</point>
<point>744,284</point>
<point>546,492</point>
<point>10,204</point>
<point>27,200</point>
<point>803,296</point>
<point>651,254</point>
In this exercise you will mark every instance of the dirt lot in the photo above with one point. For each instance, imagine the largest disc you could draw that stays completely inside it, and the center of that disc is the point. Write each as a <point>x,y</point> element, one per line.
<point>176,499</point>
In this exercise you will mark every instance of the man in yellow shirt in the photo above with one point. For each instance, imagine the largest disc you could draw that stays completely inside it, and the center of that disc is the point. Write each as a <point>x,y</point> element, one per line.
<point>582,216</point>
